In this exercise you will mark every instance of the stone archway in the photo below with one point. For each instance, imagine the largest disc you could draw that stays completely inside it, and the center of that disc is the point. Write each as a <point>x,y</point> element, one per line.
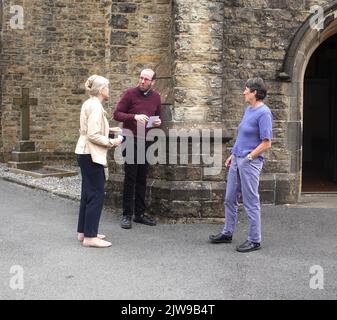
<point>304,44</point>
<point>319,157</point>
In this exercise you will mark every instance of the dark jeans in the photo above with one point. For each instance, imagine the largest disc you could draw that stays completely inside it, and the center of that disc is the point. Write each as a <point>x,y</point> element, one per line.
<point>92,195</point>
<point>135,186</point>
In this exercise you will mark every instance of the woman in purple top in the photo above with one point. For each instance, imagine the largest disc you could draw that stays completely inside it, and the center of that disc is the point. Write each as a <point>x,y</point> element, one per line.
<point>245,164</point>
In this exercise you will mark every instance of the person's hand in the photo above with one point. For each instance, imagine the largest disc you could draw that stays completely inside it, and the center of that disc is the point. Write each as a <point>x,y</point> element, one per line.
<point>228,161</point>
<point>142,118</point>
<point>116,130</point>
<point>156,123</point>
<point>115,142</point>
<point>118,141</point>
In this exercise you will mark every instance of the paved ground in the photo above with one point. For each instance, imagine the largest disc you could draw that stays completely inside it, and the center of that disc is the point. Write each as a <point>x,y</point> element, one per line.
<point>37,233</point>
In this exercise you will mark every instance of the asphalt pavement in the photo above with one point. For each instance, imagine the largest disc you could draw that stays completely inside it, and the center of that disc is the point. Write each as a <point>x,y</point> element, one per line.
<point>42,259</point>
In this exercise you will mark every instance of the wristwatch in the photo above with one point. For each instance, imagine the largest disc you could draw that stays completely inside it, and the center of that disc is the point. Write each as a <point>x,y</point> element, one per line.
<point>249,157</point>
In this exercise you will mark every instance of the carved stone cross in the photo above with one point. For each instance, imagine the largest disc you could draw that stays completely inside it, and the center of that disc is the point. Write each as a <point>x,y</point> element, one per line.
<point>25,102</point>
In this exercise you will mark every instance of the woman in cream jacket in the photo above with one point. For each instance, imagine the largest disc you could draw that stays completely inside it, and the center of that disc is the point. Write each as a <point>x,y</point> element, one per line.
<point>91,150</point>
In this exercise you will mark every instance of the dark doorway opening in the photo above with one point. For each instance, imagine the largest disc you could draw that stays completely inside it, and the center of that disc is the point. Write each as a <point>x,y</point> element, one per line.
<point>319,162</point>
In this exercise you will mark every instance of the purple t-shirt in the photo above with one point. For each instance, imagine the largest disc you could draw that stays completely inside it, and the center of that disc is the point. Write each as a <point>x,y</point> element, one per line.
<point>255,126</point>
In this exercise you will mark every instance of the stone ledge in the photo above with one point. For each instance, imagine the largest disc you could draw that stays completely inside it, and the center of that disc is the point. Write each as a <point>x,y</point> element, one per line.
<point>47,171</point>
<point>33,186</point>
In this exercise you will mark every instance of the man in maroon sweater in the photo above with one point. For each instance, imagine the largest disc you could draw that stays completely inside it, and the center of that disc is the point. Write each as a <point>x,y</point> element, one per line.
<point>134,109</point>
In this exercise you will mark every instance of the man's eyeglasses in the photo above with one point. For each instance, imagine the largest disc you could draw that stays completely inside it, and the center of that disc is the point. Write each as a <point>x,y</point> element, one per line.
<point>145,79</point>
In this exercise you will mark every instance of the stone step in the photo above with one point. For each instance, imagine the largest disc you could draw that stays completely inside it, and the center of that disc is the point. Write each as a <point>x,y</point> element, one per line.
<point>19,156</point>
<point>25,165</point>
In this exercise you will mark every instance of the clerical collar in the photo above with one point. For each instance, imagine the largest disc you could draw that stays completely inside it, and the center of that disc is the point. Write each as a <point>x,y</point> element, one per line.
<point>145,93</point>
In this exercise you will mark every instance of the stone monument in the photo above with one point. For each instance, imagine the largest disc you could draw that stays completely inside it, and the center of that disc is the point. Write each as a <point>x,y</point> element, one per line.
<point>25,159</point>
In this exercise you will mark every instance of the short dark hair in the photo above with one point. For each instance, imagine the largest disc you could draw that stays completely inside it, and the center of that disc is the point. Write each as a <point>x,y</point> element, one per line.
<point>257,84</point>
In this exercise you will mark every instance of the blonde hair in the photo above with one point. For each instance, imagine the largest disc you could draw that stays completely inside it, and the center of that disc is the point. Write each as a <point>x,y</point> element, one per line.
<point>95,84</point>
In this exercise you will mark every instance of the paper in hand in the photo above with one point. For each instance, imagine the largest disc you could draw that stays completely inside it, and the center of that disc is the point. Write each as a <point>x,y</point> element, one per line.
<point>151,120</point>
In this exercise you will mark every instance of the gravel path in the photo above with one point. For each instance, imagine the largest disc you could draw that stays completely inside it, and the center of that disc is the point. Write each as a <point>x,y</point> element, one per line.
<point>68,187</point>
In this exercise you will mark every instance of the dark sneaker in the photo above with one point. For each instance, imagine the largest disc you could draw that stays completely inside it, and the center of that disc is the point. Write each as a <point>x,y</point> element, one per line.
<point>145,220</point>
<point>126,222</point>
<point>220,238</point>
<point>248,246</point>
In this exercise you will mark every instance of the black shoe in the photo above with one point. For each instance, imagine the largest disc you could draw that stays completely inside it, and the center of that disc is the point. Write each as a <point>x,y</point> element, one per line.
<point>220,238</point>
<point>126,222</point>
<point>248,246</point>
<point>145,220</point>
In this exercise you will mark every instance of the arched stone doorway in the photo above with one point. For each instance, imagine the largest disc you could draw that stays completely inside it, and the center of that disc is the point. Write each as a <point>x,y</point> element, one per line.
<point>319,161</point>
<point>306,41</point>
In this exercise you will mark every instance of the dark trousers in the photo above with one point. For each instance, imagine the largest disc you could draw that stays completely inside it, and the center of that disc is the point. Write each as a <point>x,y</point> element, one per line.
<point>92,195</point>
<point>135,186</point>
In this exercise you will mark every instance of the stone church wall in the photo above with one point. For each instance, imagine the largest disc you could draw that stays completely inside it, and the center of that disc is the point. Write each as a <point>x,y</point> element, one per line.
<point>61,43</point>
<point>203,51</point>
<point>138,36</point>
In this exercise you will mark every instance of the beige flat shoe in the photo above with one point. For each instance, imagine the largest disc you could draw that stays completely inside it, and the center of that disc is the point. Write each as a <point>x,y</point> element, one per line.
<point>80,236</point>
<point>96,243</point>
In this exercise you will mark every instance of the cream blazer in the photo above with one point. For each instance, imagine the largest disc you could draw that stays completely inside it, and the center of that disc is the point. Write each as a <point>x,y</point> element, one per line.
<point>94,131</point>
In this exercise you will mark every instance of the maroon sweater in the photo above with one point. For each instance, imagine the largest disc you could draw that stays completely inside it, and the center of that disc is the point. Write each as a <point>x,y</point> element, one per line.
<point>134,102</point>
